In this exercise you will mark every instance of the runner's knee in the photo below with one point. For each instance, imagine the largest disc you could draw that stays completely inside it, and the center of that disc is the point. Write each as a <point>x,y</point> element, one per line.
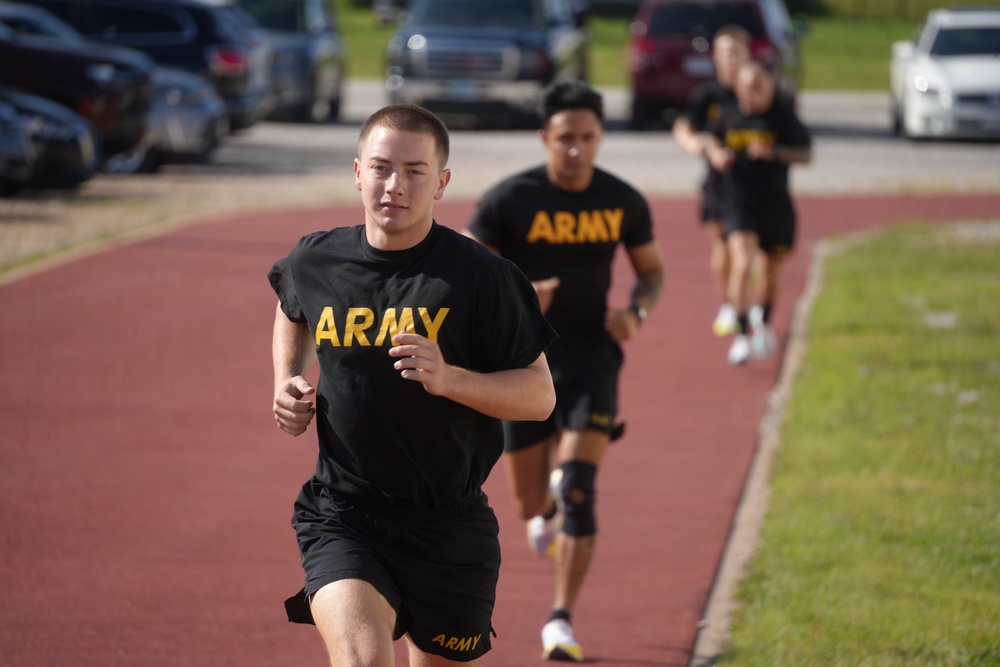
<point>577,492</point>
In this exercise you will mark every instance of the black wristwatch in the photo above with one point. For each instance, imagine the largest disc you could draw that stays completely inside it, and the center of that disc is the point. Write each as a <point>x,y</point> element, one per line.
<point>640,312</point>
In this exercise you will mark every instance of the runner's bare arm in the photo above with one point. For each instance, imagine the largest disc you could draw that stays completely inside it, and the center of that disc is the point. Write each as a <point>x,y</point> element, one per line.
<point>687,137</point>
<point>647,262</point>
<point>522,394</point>
<point>292,352</point>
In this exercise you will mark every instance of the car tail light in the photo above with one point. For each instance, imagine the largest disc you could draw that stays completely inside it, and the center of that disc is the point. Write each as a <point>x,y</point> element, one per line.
<point>638,54</point>
<point>764,51</point>
<point>227,60</point>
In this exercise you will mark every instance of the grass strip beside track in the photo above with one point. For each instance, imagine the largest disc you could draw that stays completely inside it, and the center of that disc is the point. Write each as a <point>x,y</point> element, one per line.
<point>881,544</point>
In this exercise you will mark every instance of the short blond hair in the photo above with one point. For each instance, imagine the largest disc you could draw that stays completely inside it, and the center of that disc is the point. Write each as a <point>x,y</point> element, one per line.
<point>409,118</point>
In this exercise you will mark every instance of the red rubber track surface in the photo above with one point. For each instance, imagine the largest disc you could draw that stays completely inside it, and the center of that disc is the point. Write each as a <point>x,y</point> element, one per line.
<point>145,493</point>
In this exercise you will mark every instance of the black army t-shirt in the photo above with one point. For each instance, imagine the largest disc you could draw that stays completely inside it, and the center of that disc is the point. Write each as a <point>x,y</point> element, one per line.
<point>703,112</point>
<point>706,104</point>
<point>549,232</point>
<point>753,182</point>
<point>383,437</point>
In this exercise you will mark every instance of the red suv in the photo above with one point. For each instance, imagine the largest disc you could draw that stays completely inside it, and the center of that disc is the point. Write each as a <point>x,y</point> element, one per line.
<point>670,53</point>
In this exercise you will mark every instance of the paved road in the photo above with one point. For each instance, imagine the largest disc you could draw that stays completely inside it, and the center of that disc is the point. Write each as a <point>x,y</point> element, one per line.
<point>855,151</point>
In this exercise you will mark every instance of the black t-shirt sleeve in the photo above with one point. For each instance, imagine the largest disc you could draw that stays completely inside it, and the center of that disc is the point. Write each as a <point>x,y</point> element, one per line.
<point>487,222</point>
<point>640,231</point>
<point>282,279</point>
<point>511,328</point>
<point>696,111</point>
<point>792,131</point>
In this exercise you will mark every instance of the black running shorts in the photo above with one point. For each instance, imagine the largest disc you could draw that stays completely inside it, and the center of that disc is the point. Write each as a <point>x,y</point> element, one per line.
<point>772,220</point>
<point>712,209</point>
<point>585,375</point>
<point>437,568</point>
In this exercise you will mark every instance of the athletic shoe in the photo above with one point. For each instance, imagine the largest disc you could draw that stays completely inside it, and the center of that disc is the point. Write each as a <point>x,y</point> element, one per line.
<point>541,531</point>
<point>558,642</point>
<point>763,341</point>
<point>725,321</point>
<point>739,351</point>
<point>542,534</point>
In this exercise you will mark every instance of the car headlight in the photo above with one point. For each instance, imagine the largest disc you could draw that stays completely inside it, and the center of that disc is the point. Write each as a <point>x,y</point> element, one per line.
<point>102,73</point>
<point>932,91</point>
<point>395,52</point>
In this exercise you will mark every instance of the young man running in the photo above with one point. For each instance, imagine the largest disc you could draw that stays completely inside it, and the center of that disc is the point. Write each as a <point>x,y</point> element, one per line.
<point>730,49</point>
<point>425,340</point>
<point>561,223</point>
<point>756,139</point>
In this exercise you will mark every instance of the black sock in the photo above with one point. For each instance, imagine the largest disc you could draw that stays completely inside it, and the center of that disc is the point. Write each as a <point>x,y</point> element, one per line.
<point>552,511</point>
<point>744,321</point>
<point>559,615</point>
<point>766,311</point>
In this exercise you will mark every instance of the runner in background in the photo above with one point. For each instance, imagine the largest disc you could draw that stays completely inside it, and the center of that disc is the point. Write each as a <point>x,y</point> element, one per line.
<point>561,223</point>
<point>730,49</point>
<point>755,140</point>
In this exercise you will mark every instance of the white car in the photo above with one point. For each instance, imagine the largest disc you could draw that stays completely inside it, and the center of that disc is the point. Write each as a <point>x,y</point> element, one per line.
<point>946,83</point>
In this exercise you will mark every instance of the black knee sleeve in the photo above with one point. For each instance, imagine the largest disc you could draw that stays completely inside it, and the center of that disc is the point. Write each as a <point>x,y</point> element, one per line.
<point>577,492</point>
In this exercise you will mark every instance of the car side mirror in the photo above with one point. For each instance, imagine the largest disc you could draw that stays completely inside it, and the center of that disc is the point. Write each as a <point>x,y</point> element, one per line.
<point>903,50</point>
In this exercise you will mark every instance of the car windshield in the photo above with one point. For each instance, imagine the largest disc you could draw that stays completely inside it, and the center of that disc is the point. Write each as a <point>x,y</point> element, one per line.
<point>278,15</point>
<point>702,18</point>
<point>967,42</point>
<point>506,13</point>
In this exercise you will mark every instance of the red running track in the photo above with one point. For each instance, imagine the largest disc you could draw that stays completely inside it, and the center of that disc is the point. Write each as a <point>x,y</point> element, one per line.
<point>145,494</point>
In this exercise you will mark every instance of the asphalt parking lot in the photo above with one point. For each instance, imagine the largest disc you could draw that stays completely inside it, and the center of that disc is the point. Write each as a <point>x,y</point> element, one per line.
<point>292,165</point>
<point>855,151</point>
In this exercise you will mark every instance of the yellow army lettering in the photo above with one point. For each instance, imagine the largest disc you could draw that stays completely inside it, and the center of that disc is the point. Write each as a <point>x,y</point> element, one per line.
<point>457,643</point>
<point>360,319</point>
<point>739,139</point>
<point>598,226</point>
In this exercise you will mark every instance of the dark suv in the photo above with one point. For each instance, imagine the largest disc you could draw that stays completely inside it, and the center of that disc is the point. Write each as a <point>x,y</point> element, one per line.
<point>198,36</point>
<point>669,54</point>
<point>484,60</point>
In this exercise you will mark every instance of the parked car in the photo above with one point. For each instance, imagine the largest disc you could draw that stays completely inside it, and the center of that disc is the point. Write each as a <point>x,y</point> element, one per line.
<point>203,37</point>
<point>487,59</point>
<point>187,118</point>
<point>53,147</point>
<point>946,82</point>
<point>310,56</point>
<point>17,153</point>
<point>670,52</point>
<point>110,87</point>
<point>187,121</point>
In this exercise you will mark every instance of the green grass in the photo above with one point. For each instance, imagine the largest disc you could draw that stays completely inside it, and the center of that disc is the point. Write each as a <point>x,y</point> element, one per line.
<point>882,541</point>
<point>850,54</point>
<point>882,9</point>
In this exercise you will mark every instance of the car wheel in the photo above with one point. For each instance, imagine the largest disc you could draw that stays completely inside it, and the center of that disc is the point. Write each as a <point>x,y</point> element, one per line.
<point>314,109</point>
<point>903,124</point>
<point>334,108</point>
<point>896,119</point>
<point>136,161</point>
<point>643,112</point>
